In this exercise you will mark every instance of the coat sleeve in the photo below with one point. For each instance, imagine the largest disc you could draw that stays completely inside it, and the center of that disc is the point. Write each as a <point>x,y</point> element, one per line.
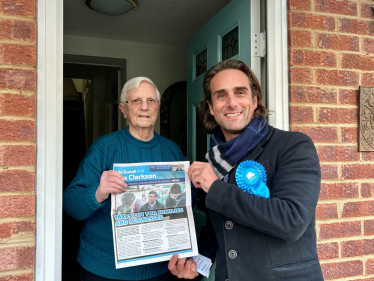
<point>294,193</point>
<point>79,197</point>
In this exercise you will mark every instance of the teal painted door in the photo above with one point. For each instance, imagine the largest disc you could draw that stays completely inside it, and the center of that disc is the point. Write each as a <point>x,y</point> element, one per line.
<point>226,35</point>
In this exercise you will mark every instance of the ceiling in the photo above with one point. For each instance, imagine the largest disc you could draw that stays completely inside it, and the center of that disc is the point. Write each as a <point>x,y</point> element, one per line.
<point>169,22</point>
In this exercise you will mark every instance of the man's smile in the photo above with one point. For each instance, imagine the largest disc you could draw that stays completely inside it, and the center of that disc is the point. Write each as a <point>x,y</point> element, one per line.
<point>233,114</point>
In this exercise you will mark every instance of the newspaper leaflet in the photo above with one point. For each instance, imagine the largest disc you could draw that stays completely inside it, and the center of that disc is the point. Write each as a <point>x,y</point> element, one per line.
<point>153,218</point>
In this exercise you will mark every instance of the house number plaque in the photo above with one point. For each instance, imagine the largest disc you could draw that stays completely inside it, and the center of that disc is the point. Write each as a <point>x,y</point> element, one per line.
<point>366,126</point>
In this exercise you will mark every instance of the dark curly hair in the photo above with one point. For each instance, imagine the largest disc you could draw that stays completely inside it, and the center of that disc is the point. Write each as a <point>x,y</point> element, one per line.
<point>209,123</point>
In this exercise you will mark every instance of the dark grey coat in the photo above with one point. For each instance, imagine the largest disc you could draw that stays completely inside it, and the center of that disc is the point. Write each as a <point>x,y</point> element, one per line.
<point>263,239</point>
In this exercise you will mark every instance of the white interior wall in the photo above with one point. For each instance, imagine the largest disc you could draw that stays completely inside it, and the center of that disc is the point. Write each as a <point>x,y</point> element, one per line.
<point>164,64</point>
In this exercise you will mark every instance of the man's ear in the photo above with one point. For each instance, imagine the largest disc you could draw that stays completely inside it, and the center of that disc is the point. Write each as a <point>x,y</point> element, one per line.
<point>210,108</point>
<point>255,101</point>
<point>122,108</point>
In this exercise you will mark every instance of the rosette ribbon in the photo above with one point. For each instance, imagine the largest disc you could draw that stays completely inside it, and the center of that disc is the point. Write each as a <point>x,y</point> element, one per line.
<point>251,177</point>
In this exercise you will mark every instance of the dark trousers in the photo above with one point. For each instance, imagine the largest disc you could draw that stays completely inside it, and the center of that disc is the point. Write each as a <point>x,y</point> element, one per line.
<point>167,276</point>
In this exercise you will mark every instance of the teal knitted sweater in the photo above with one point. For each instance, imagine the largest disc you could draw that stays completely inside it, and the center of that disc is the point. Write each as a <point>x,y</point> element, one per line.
<point>96,252</point>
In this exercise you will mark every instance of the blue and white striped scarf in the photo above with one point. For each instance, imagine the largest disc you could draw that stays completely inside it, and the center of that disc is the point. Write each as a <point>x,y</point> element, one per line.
<point>223,156</point>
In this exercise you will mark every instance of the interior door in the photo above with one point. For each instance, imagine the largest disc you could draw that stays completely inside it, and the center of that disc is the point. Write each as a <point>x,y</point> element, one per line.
<point>227,35</point>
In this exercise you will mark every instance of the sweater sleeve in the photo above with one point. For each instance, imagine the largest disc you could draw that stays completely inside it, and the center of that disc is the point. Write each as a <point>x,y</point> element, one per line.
<point>294,194</point>
<point>79,197</point>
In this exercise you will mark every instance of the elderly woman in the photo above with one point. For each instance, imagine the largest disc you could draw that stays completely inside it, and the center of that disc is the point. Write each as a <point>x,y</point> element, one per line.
<point>87,197</point>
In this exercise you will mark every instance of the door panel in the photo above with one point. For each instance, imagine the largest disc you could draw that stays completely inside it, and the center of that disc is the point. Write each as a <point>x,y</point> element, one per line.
<point>234,18</point>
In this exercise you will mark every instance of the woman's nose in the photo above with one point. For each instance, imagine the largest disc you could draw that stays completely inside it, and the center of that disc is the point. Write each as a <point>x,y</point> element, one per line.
<point>144,105</point>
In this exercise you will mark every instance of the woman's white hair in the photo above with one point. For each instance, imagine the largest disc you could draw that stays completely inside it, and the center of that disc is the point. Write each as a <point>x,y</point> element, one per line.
<point>133,84</point>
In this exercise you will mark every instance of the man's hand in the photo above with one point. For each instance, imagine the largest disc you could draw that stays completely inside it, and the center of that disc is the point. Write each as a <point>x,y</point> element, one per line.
<point>202,175</point>
<point>110,182</point>
<point>182,268</point>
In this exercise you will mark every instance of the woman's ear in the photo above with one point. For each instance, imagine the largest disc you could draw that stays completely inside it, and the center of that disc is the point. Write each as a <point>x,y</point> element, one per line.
<point>123,110</point>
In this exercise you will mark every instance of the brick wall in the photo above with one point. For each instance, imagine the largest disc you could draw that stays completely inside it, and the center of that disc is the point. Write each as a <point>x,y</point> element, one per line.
<point>17,139</point>
<point>331,53</point>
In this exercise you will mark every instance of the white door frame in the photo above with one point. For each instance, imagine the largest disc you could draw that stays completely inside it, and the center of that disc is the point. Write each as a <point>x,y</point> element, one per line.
<point>49,119</point>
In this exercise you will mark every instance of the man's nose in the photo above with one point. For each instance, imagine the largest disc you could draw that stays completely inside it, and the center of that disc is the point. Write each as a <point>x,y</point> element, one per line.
<point>231,101</point>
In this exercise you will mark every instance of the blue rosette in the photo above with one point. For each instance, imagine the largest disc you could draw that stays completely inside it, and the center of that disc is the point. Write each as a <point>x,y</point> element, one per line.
<point>251,177</point>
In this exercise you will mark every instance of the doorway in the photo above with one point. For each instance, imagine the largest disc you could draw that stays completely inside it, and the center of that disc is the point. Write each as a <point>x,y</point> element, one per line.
<point>90,109</point>
<point>49,115</point>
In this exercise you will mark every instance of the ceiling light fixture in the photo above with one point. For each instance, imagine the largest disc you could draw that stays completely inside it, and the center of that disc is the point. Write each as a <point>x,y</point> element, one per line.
<point>112,7</point>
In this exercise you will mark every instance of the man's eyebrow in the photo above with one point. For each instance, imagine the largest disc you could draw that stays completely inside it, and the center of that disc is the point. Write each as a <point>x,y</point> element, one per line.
<point>241,88</point>
<point>220,91</point>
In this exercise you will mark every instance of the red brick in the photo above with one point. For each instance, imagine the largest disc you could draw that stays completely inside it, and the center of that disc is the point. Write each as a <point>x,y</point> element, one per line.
<point>368,45</point>
<point>312,58</point>
<point>311,21</point>
<point>6,27</point>
<point>318,134</point>
<point>16,180</point>
<point>23,277</point>
<point>337,115</point>
<point>348,134</point>
<point>351,248</point>
<point>356,209</point>
<point>299,5</point>
<point>328,251</point>
<point>367,155</point>
<point>337,7</point>
<point>300,38</point>
<point>369,265</point>
<point>366,189</point>
<point>368,246</point>
<point>367,79</point>
<point>358,171</point>
<point>340,229</point>
<point>17,79</point>
<point>338,153</point>
<point>9,229</point>
<point>338,42</point>
<point>337,77</point>
<point>17,30</point>
<point>348,96</point>
<point>357,62</point>
<point>313,94</point>
<point>301,75</point>
<point>16,258</point>
<point>342,269</point>
<point>354,26</point>
<point>19,105</point>
<point>17,130</point>
<point>367,11</point>
<point>326,211</point>
<point>25,8</point>
<point>17,206</point>
<point>329,172</point>
<point>368,227</point>
<point>18,54</point>
<point>17,155</point>
<point>301,114</point>
<point>338,191</point>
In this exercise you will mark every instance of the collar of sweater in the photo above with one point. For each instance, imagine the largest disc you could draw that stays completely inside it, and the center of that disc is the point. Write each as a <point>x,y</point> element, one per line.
<point>139,143</point>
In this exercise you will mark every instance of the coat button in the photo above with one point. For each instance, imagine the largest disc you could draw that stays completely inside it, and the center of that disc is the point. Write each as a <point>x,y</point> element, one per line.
<point>229,225</point>
<point>232,254</point>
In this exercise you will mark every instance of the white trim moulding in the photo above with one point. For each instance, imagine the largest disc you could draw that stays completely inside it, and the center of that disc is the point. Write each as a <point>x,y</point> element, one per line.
<point>49,96</point>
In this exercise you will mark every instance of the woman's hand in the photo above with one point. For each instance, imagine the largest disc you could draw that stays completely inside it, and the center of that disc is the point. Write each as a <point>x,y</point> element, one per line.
<point>202,175</point>
<point>182,268</point>
<point>110,182</point>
